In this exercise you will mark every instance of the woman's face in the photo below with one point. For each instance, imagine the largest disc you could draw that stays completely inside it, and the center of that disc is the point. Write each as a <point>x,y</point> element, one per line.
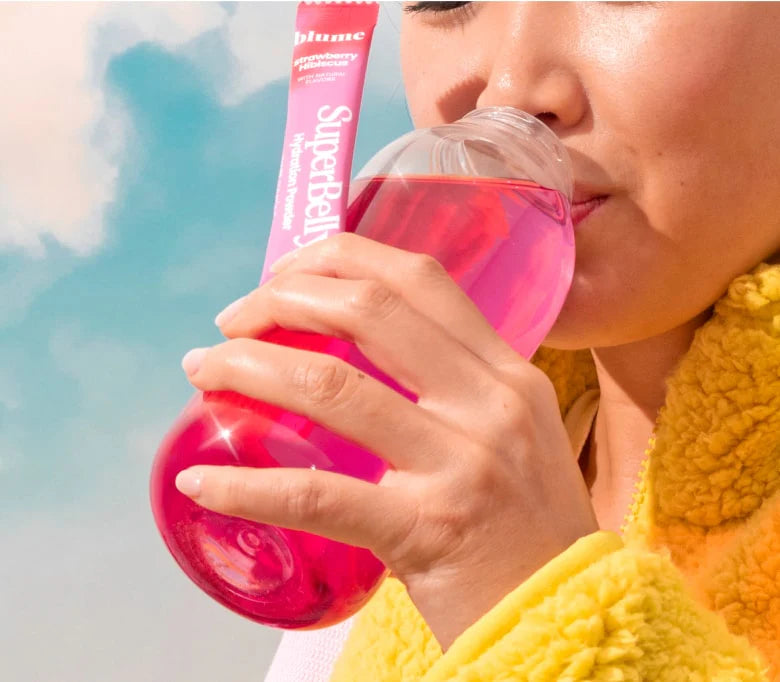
<point>671,110</point>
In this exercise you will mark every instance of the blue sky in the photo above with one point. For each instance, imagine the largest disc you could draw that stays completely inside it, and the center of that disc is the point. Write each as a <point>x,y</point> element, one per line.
<point>139,158</point>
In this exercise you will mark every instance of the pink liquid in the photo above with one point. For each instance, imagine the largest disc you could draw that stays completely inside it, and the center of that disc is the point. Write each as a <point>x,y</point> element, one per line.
<point>508,243</point>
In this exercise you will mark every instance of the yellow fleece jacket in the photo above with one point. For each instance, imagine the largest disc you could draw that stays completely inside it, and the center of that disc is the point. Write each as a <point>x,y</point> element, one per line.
<point>690,591</point>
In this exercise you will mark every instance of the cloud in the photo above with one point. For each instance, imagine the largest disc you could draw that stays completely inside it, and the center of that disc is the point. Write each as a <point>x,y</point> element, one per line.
<point>60,140</point>
<point>62,137</point>
<point>258,61</point>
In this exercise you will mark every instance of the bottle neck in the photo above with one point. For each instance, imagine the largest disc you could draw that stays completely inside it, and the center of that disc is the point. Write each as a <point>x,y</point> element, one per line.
<point>528,146</point>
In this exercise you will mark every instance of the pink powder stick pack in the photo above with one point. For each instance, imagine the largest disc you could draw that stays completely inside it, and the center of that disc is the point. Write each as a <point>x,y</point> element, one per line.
<point>332,41</point>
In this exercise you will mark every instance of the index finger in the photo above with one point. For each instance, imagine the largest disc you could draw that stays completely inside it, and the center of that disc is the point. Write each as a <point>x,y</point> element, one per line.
<point>325,503</point>
<point>419,278</point>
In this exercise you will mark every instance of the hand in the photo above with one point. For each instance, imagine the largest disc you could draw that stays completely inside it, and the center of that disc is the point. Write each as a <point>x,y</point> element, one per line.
<point>483,487</point>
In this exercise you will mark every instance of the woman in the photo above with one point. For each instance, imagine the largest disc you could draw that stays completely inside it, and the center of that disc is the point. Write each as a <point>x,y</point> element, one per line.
<point>501,521</point>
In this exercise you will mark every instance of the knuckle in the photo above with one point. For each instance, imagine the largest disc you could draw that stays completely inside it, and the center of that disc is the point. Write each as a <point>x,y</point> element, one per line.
<point>322,382</point>
<point>342,240</point>
<point>334,247</point>
<point>512,367</point>
<point>469,496</point>
<point>532,385</point>
<point>233,355</point>
<point>484,471</point>
<point>425,267</point>
<point>436,526</point>
<point>441,521</point>
<point>477,475</point>
<point>280,283</point>
<point>448,525</point>
<point>375,299</point>
<point>510,415</point>
<point>278,294</point>
<point>510,409</point>
<point>236,499</point>
<point>305,500</point>
<point>276,285</point>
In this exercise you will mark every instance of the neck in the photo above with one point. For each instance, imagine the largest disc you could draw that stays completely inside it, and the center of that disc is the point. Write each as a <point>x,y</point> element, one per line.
<point>632,381</point>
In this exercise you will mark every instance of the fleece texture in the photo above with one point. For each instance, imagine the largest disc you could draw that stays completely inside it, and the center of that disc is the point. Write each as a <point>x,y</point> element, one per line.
<point>690,590</point>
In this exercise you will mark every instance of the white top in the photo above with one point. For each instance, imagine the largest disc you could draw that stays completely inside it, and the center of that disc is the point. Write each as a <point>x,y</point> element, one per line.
<point>308,656</point>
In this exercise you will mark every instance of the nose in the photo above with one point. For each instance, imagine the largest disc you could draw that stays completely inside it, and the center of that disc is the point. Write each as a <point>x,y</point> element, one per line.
<point>533,64</point>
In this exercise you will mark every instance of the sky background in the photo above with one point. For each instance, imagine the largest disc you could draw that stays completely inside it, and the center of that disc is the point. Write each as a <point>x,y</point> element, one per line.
<point>139,147</point>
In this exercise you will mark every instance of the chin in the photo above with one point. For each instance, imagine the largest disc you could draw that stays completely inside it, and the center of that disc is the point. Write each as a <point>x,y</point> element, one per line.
<point>591,318</point>
<point>561,339</point>
<point>578,325</point>
<point>571,332</point>
<point>584,335</point>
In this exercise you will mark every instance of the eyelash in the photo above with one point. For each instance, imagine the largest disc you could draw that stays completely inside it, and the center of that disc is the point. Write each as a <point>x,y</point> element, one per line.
<point>434,6</point>
<point>455,10</point>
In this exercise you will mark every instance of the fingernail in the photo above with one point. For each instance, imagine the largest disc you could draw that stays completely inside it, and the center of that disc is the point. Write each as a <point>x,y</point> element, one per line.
<point>229,312</point>
<point>188,482</point>
<point>284,261</point>
<point>192,361</point>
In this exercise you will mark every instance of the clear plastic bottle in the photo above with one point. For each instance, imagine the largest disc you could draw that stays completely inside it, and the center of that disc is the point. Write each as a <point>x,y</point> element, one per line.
<point>488,196</point>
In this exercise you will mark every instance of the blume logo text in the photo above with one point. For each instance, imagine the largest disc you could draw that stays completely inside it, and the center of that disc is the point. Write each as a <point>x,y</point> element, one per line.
<point>313,37</point>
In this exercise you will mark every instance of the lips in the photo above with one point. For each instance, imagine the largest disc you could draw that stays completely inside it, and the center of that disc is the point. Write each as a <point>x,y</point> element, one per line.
<point>584,205</point>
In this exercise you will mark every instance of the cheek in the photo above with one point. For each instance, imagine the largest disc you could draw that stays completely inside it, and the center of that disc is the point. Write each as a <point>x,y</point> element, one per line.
<point>667,246</point>
<point>685,94</point>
